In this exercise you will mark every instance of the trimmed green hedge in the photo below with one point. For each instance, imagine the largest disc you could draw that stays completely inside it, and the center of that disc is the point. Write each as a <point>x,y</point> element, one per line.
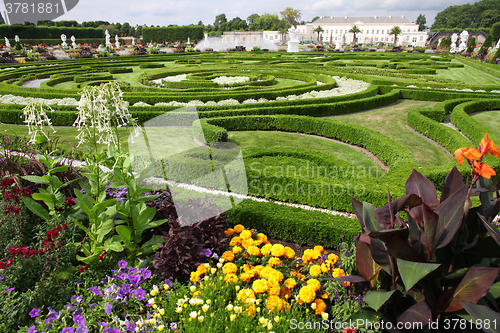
<point>92,77</point>
<point>294,224</point>
<point>469,126</point>
<point>119,70</point>
<point>151,65</point>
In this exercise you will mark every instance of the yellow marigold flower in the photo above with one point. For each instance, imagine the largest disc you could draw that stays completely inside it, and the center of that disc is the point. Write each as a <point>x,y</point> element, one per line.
<point>248,276</point>
<point>261,237</point>
<point>235,241</point>
<point>245,294</point>
<point>201,269</point>
<point>333,258</point>
<point>290,283</point>
<point>325,295</point>
<point>231,278</point>
<point>289,253</point>
<point>266,249</point>
<point>251,310</point>
<point>277,250</point>
<point>246,243</point>
<point>237,249</point>
<point>273,287</point>
<point>338,272</point>
<point>301,277</point>
<point>315,284</point>
<point>229,268</point>
<point>266,271</point>
<point>319,248</point>
<point>315,270</point>
<point>258,268</point>
<point>195,276</point>
<point>307,294</point>
<point>274,261</point>
<point>260,286</point>
<point>228,232</point>
<point>254,251</point>
<point>276,275</point>
<point>228,256</point>
<point>274,303</point>
<point>310,255</point>
<point>320,306</point>
<point>325,268</point>
<point>247,267</point>
<point>238,228</point>
<point>346,283</point>
<point>245,234</point>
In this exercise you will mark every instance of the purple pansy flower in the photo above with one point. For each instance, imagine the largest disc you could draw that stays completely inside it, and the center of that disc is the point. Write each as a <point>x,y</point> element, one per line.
<point>173,326</point>
<point>207,252</point>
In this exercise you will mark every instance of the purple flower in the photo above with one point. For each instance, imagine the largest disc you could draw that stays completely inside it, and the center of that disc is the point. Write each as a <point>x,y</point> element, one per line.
<point>93,305</point>
<point>79,320</point>
<point>135,280</point>
<point>8,290</point>
<point>103,323</point>
<point>34,313</point>
<point>68,330</point>
<point>122,276</point>
<point>82,329</point>
<point>122,264</point>
<point>32,329</point>
<point>132,270</point>
<point>146,273</point>
<point>169,284</point>
<point>96,290</point>
<point>108,308</point>
<point>215,256</point>
<point>1,278</point>
<point>173,326</point>
<point>76,299</point>
<point>207,252</point>
<point>111,330</point>
<point>140,294</point>
<point>124,290</point>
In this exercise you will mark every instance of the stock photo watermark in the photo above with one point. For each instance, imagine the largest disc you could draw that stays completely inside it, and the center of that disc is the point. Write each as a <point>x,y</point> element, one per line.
<point>21,11</point>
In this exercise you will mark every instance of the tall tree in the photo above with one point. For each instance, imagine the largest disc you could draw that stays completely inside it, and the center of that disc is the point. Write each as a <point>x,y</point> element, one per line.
<point>490,17</point>
<point>318,29</point>
<point>125,29</point>
<point>395,31</point>
<point>252,18</point>
<point>219,19</point>
<point>421,21</point>
<point>315,18</point>
<point>467,15</point>
<point>200,22</point>
<point>354,30</point>
<point>290,16</point>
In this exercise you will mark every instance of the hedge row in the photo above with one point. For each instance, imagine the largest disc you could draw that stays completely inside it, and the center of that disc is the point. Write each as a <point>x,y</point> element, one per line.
<point>470,126</point>
<point>41,32</point>
<point>294,224</point>
<point>92,77</point>
<point>120,70</point>
<point>172,34</point>
<point>485,67</point>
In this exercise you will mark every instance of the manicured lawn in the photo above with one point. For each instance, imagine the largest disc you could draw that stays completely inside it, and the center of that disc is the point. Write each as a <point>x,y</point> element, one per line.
<point>468,75</point>
<point>391,121</point>
<point>490,119</point>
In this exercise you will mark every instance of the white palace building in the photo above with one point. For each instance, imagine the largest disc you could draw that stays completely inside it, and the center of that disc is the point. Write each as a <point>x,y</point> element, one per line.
<point>374,30</point>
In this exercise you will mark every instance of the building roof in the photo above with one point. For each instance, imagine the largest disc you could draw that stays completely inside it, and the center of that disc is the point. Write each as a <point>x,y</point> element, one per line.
<point>365,20</point>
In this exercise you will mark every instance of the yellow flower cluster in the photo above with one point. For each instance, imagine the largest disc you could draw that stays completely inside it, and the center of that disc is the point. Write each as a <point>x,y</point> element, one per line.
<point>262,272</point>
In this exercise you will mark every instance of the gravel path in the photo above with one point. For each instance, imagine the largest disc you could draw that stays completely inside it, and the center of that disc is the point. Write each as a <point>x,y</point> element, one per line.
<point>34,83</point>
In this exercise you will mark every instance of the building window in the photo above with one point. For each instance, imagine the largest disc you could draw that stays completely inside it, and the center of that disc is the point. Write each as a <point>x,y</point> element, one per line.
<point>414,39</point>
<point>376,39</point>
<point>421,38</point>
<point>378,32</point>
<point>276,37</point>
<point>266,36</point>
<point>407,38</point>
<point>336,31</point>
<point>372,39</point>
<point>373,31</point>
<point>382,32</point>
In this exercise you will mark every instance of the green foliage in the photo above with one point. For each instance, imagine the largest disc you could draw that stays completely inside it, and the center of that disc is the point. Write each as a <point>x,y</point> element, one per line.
<point>472,45</point>
<point>172,33</point>
<point>44,32</point>
<point>151,65</point>
<point>478,15</point>
<point>421,21</point>
<point>489,41</point>
<point>495,31</point>
<point>294,224</point>
<point>92,77</point>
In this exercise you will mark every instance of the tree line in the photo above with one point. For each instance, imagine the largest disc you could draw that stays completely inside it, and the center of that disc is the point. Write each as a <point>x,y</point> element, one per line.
<point>482,14</point>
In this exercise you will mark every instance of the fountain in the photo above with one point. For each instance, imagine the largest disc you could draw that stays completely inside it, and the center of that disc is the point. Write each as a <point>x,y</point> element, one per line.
<point>223,44</point>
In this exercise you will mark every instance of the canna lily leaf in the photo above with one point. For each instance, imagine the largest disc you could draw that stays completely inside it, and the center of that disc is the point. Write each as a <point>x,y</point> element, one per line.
<point>412,272</point>
<point>383,214</point>
<point>418,313</point>
<point>376,298</point>
<point>367,267</point>
<point>450,217</point>
<point>452,183</point>
<point>482,313</point>
<point>493,230</point>
<point>418,184</point>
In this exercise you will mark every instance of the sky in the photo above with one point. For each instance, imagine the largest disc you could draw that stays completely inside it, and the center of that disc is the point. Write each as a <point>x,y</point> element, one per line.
<point>165,12</point>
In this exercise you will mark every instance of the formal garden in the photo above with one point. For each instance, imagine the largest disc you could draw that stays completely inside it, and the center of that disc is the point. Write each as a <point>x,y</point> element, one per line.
<point>359,189</point>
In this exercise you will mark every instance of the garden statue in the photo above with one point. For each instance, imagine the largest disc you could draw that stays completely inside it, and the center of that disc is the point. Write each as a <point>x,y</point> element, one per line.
<point>133,41</point>
<point>293,34</point>
<point>16,38</point>
<point>498,44</point>
<point>7,43</point>
<point>73,43</point>
<point>464,36</point>
<point>189,42</point>
<point>63,38</point>
<point>453,47</point>
<point>106,33</point>
<point>117,42</point>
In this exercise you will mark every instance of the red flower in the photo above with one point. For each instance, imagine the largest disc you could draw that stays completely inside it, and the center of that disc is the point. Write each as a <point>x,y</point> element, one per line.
<point>9,262</point>
<point>2,265</point>
<point>25,249</point>
<point>82,269</point>
<point>70,202</point>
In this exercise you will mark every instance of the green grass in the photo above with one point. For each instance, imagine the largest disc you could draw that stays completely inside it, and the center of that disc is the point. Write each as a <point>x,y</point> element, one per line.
<point>391,121</point>
<point>468,75</point>
<point>248,140</point>
<point>490,119</point>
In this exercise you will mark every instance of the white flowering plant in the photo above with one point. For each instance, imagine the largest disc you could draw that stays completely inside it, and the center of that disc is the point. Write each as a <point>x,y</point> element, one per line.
<point>36,118</point>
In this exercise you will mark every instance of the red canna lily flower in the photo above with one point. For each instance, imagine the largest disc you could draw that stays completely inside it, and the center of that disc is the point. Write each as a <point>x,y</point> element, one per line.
<point>459,155</point>
<point>484,170</point>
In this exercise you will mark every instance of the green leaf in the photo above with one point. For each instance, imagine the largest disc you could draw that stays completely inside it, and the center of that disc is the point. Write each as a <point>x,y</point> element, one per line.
<point>84,202</point>
<point>412,272</point>
<point>36,208</point>
<point>59,169</point>
<point>104,204</point>
<point>114,244</point>
<point>376,298</point>
<point>152,245</point>
<point>481,313</point>
<point>104,229</point>
<point>495,290</point>
<point>89,233</point>
<point>47,198</point>
<point>126,236</point>
<point>146,216</point>
<point>150,225</point>
<point>36,179</point>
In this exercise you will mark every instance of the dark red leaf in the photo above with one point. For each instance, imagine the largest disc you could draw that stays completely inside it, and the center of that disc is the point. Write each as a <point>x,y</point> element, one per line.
<point>367,267</point>
<point>452,183</point>
<point>450,217</point>
<point>383,214</point>
<point>418,313</point>
<point>423,187</point>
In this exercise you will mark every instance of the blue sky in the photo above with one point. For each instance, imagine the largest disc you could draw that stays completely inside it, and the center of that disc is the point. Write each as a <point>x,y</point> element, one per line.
<point>167,12</point>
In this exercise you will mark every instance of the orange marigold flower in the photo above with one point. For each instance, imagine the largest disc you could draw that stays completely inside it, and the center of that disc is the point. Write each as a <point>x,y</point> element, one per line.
<point>315,284</point>
<point>289,253</point>
<point>274,261</point>
<point>228,232</point>
<point>285,293</point>
<point>315,270</point>
<point>277,250</point>
<point>251,310</point>
<point>195,276</point>
<point>290,283</point>
<point>484,170</point>
<point>333,258</point>
<point>307,294</point>
<point>273,287</point>
<point>319,248</point>
<point>231,278</point>
<point>238,228</point>
<point>247,242</point>
<point>247,267</point>
<point>201,269</point>
<point>245,234</point>
<point>261,237</point>
<point>235,241</point>
<point>320,306</point>
<point>274,303</point>
<point>254,251</point>
<point>237,249</point>
<point>260,286</point>
<point>266,249</point>
<point>229,268</point>
<point>228,256</point>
